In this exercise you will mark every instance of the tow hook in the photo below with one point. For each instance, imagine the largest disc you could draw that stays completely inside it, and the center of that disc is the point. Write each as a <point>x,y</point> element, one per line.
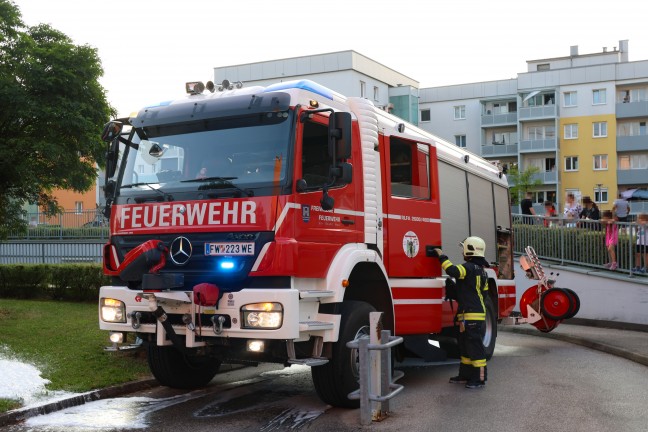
<point>135,319</point>
<point>186,318</point>
<point>218,328</point>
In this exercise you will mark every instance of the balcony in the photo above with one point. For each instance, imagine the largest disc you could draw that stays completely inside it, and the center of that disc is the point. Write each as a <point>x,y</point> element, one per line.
<point>491,150</point>
<point>632,176</point>
<point>632,109</point>
<point>546,177</point>
<point>499,119</point>
<point>537,112</point>
<point>632,143</point>
<point>538,145</point>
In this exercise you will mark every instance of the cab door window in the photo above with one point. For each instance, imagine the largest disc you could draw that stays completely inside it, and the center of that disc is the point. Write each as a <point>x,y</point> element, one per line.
<point>409,169</point>
<point>315,159</point>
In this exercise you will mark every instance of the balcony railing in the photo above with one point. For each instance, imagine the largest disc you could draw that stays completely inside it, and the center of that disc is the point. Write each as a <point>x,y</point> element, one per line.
<point>546,177</point>
<point>497,119</point>
<point>632,176</point>
<point>499,150</point>
<point>632,109</point>
<point>537,145</point>
<point>632,143</point>
<point>543,111</point>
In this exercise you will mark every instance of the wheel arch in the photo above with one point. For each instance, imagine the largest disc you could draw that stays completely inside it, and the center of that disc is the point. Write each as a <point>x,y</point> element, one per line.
<point>368,283</point>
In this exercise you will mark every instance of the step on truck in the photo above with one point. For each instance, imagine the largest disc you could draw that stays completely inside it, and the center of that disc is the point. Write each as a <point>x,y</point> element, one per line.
<point>263,224</point>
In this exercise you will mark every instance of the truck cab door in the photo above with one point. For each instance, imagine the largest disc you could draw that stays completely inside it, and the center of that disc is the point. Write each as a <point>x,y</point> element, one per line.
<point>320,233</point>
<point>412,211</point>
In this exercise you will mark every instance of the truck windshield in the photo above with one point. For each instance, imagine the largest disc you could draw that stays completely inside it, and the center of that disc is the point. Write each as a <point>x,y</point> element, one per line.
<point>212,158</point>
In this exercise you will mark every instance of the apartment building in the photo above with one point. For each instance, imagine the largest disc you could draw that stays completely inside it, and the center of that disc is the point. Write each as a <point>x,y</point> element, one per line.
<point>580,119</point>
<point>346,72</point>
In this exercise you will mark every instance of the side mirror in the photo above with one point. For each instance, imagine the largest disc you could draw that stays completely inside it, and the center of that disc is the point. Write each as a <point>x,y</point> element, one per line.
<point>339,132</point>
<point>111,130</point>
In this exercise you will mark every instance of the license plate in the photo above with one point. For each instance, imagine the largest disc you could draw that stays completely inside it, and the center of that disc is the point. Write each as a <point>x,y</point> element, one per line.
<point>219,249</point>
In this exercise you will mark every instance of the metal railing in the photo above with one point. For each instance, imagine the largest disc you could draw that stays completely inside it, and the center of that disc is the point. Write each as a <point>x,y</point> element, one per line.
<point>578,242</point>
<point>69,225</point>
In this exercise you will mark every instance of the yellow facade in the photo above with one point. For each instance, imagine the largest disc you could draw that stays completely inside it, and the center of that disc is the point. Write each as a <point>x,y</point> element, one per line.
<point>586,179</point>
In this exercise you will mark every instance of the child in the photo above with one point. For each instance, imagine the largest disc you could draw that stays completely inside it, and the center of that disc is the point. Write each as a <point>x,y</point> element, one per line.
<point>611,238</point>
<point>550,212</point>
<point>642,243</point>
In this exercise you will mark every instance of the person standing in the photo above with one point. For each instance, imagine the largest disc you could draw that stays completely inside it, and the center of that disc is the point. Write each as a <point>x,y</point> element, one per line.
<point>642,244</point>
<point>611,238</point>
<point>528,211</point>
<point>471,283</point>
<point>621,209</point>
<point>550,212</point>
<point>572,208</point>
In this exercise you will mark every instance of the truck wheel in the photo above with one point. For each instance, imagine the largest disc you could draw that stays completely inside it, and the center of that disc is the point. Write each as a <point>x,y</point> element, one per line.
<point>173,368</point>
<point>490,335</point>
<point>339,377</point>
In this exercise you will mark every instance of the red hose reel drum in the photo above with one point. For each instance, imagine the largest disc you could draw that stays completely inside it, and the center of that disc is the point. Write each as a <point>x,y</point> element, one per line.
<point>548,307</point>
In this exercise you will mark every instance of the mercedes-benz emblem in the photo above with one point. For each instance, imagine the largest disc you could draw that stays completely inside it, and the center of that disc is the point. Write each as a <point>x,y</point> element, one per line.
<point>180,250</point>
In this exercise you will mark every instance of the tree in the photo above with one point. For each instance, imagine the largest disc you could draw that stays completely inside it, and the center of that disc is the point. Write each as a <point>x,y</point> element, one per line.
<point>52,110</point>
<point>522,182</point>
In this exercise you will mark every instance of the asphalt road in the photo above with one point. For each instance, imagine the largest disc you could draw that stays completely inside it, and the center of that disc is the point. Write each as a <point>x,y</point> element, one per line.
<point>534,384</point>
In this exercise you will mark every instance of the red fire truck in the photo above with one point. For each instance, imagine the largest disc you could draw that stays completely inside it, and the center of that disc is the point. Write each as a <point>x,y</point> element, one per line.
<point>263,224</point>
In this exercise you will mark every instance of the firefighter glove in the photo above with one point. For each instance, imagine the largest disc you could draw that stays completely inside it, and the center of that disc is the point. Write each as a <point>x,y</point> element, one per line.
<point>436,252</point>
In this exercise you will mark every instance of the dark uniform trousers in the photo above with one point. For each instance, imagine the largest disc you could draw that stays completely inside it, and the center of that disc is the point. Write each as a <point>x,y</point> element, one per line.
<point>471,350</point>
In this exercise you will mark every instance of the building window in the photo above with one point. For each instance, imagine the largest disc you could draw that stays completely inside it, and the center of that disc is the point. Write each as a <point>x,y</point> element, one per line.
<point>570,99</point>
<point>541,132</point>
<point>410,169</point>
<point>78,207</point>
<point>601,195</point>
<point>598,97</point>
<point>571,163</point>
<point>636,161</point>
<point>460,112</point>
<point>600,162</point>
<point>600,129</point>
<point>363,89</point>
<point>542,67</point>
<point>571,131</point>
<point>425,115</point>
<point>376,94</point>
<point>460,140</point>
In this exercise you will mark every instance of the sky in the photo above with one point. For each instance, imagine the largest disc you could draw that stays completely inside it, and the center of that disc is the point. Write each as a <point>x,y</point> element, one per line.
<point>150,48</point>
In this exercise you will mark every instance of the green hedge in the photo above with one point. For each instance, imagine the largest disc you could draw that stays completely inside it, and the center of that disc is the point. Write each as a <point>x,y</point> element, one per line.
<point>73,282</point>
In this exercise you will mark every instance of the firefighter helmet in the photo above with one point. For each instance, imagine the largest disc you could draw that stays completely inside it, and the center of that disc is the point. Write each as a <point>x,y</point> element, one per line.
<point>473,247</point>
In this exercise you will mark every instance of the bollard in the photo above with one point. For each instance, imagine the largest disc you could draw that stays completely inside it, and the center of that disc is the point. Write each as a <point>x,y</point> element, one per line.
<point>376,381</point>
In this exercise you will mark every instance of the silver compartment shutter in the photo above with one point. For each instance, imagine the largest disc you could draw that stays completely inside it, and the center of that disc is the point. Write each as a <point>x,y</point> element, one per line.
<point>502,207</point>
<point>482,213</point>
<point>454,209</point>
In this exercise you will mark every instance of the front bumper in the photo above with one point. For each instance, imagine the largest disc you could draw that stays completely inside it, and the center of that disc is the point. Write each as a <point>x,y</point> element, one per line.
<point>197,332</point>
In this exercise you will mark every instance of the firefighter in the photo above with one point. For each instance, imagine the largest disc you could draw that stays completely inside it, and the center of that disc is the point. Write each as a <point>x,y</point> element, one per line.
<point>471,282</point>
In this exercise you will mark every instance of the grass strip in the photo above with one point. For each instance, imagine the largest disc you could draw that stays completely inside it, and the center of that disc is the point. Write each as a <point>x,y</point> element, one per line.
<point>63,340</point>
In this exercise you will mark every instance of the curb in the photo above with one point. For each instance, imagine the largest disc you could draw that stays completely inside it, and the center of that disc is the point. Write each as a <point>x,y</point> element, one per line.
<point>577,340</point>
<point>22,414</point>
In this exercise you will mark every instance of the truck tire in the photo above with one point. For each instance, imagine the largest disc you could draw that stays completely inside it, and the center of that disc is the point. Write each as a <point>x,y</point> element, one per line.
<point>339,377</point>
<point>175,369</point>
<point>490,335</point>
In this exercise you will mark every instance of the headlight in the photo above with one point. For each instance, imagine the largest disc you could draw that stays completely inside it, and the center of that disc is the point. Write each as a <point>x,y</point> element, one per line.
<point>113,310</point>
<point>262,315</point>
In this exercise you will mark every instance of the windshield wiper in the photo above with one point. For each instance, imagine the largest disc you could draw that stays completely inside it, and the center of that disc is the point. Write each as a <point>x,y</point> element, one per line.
<point>165,196</point>
<point>211,183</point>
